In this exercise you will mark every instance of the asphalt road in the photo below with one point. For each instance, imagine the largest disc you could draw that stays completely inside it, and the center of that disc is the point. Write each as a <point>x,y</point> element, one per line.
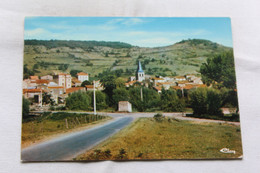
<point>69,146</point>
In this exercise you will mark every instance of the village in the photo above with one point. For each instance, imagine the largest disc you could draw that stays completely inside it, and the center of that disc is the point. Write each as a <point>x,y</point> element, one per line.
<point>60,85</point>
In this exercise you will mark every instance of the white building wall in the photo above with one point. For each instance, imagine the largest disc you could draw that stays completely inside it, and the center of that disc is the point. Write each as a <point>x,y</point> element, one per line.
<point>82,78</point>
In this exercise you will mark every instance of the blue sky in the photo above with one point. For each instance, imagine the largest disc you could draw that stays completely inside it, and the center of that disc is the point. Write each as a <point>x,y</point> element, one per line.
<point>139,31</point>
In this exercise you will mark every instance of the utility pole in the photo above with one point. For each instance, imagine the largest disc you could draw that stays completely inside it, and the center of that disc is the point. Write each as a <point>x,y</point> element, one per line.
<point>94,95</point>
<point>141,94</point>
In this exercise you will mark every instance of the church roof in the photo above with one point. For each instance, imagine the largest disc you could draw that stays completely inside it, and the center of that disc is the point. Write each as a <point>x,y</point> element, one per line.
<point>140,70</point>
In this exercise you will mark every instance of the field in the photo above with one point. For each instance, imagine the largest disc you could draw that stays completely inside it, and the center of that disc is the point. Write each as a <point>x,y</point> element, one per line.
<point>179,59</point>
<point>147,138</point>
<point>50,124</point>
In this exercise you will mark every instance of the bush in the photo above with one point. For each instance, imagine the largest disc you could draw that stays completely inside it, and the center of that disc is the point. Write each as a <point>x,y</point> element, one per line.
<point>158,117</point>
<point>206,101</point>
<point>26,108</point>
<point>78,101</point>
<point>198,100</point>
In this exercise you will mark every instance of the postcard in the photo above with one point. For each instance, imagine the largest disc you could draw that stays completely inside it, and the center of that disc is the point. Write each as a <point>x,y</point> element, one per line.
<point>129,88</point>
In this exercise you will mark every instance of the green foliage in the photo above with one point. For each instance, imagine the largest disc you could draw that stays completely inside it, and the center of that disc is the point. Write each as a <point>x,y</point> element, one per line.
<point>74,72</point>
<point>219,71</point>
<point>158,117</point>
<point>170,102</point>
<point>27,72</point>
<point>63,67</point>
<point>86,82</point>
<point>206,101</point>
<point>151,98</point>
<point>78,101</point>
<point>198,101</point>
<point>120,82</point>
<point>73,44</point>
<point>100,99</point>
<point>120,94</point>
<point>26,108</point>
<point>214,102</point>
<point>46,99</point>
<point>109,85</point>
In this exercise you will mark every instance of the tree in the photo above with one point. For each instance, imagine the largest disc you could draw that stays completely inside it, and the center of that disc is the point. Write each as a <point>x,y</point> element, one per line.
<point>78,101</point>
<point>120,94</point>
<point>219,71</point>
<point>170,102</point>
<point>74,72</point>
<point>26,108</point>
<point>150,98</point>
<point>46,99</point>
<point>109,84</point>
<point>86,82</point>
<point>214,102</point>
<point>206,101</point>
<point>120,82</point>
<point>100,99</point>
<point>198,100</point>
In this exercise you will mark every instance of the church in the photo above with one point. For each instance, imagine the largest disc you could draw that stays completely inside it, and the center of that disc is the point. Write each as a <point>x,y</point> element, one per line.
<point>140,76</point>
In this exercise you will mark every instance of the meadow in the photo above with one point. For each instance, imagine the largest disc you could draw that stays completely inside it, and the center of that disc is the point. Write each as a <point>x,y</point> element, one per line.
<point>170,138</point>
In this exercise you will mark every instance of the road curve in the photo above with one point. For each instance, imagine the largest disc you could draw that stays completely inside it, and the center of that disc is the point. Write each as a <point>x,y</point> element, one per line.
<point>69,146</point>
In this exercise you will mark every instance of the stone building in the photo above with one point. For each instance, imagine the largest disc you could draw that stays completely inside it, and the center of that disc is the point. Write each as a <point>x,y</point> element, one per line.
<point>82,76</point>
<point>124,106</point>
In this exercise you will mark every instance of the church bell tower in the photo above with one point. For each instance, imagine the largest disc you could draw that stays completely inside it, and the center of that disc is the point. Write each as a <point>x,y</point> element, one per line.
<point>140,73</point>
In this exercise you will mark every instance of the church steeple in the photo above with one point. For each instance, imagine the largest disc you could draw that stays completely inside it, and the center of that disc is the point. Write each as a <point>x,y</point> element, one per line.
<point>140,67</point>
<point>140,73</point>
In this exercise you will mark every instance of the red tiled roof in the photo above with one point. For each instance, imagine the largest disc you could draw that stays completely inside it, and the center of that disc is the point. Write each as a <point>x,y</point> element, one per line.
<point>75,80</point>
<point>34,77</point>
<point>73,89</point>
<point>33,90</point>
<point>156,78</point>
<point>89,86</point>
<point>158,88</point>
<point>176,87</point>
<point>82,74</point>
<point>183,82</point>
<point>55,87</point>
<point>64,74</point>
<point>42,81</point>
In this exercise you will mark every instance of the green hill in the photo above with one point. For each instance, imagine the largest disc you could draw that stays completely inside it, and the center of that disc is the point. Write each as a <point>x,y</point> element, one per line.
<point>93,57</point>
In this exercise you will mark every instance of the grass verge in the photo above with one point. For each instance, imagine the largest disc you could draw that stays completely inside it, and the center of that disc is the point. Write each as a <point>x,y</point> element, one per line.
<point>50,124</point>
<point>147,138</point>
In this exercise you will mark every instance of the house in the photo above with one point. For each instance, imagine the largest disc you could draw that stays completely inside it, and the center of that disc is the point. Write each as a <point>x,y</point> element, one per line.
<point>190,77</point>
<point>75,89</point>
<point>89,87</point>
<point>35,95</point>
<point>76,82</point>
<point>131,83</point>
<point>179,78</point>
<point>82,76</point>
<point>132,78</point>
<point>47,77</point>
<point>34,78</point>
<point>166,85</point>
<point>64,80</point>
<point>124,106</point>
<point>197,80</point>
<point>56,92</point>
<point>156,80</point>
<point>158,89</point>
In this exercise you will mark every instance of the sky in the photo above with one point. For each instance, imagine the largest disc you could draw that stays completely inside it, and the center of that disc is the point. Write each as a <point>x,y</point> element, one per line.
<point>138,31</point>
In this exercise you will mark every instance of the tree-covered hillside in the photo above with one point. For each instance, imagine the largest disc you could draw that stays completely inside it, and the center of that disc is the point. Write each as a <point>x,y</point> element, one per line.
<point>98,58</point>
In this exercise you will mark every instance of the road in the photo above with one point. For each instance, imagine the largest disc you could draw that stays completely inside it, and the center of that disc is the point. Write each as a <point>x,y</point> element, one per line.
<point>69,146</point>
